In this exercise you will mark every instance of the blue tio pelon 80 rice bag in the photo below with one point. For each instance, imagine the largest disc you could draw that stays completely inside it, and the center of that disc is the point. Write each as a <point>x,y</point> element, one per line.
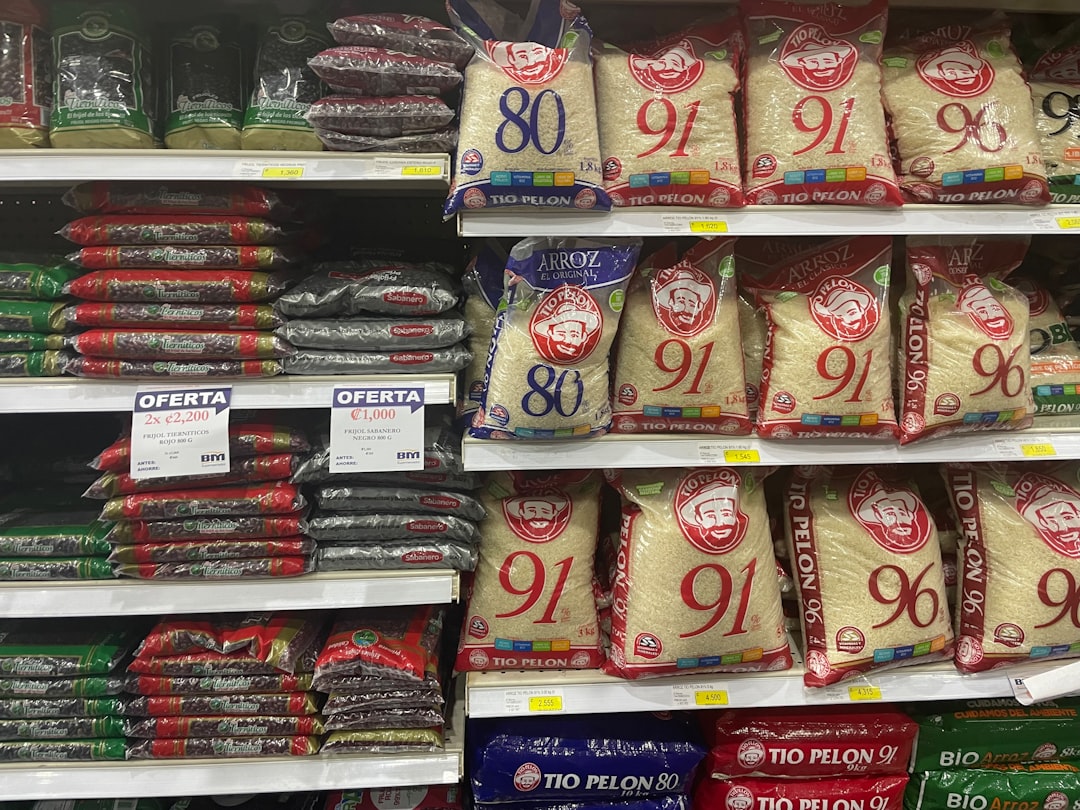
<point>651,803</point>
<point>550,760</point>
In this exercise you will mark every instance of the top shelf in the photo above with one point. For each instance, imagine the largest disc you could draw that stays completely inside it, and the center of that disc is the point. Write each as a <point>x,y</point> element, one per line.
<point>374,171</point>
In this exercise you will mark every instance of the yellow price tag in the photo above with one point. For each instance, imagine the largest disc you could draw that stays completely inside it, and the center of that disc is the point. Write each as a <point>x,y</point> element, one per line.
<point>421,171</point>
<point>742,457</point>
<point>1068,223</point>
<point>283,172</point>
<point>703,226</point>
<point>546,703</point>
<point>1038,450</point>
<point>712,697</point>
<point>864,693</point>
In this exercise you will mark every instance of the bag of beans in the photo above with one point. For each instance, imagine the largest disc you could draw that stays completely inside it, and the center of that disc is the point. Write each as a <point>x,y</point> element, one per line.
<point>366,71</point>
<point>201,229</point>
<point>220,199</point>
<point>528,114</point>
<point>276,467</point>
<point>188,316</point>
<point>198,257</point>
<point>212,550</point>
<point>324,361</point>
<point>1020,562</point>
<point>146,344</point>
<point>671,372</point>
<point>25,76</point>
<point>107,369</point>
<point>441,140</point>
<point>827,367</point>
<point>1055,355</point>
<point>870,576</point>
<point>695,585</point>
<point>205,90</point>
<point>42,278</point>
<point>400,289</point>
<point>547,368</point>
<point>391,643</point>
<point>278,498</point>
<point>178,287</point>
<point>531,604</point>
<point>380,117</point>
<point>375,334</point>
<point>204,528</point>
<point>405,33</point>
<point>815,123</point>
<point>961,114</point>
<point>965,338</point>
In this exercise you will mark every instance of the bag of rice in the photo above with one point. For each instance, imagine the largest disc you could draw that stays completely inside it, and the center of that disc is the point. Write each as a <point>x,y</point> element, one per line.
<point>703,535</point>
<point>961,114</point>
<point>483,282</point>
<point>870,577</point>
<point>815,126</point>
<point>285,87</point>
<point>25,76</point>
<point>1047,786</point>
<point>827,367</point>
<point>753,329</point>
<point>205,91</point>
<point>103,92</point>
<point>878,792</point>
<point>380,117</point>
<point>528,115</point>
<point>965,338</point>
<point>547,368</point>
<point>672,373</point>
<point>1055,355</point>
<point>405,33</point>
<point>667,118</point>
<point>1019,591</point>
<point>366,71</point>
<point>531,604</point>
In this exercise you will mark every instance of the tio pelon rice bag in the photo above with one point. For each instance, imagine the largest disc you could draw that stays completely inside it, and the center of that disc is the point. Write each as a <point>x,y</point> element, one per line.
<point>1020,563</point>
<point>965,340</point>
<point>1048,786</point>
<point>557,760</point>
<point>673,369</point>
<point>695,586</point>
<point>961,114</point>
<point>223,199</point>
<point>532,603</point>
<point>981,733</point>
<point>547,370</point>
<point>869,573</point>
<point>1054,76</point>
<point>25,75</point>
<point>815,123</point>
<point>838,793</point>
<point>405,33</point>
<point>809,742</point>
<point>1055,354</point>
<point>667,118</point>
<point>827,367</point>
<point>483,283</point>
<point>528,115</point>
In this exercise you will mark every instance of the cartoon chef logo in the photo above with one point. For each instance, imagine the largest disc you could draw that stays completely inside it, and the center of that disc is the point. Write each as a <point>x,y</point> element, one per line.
<point>1053,509</point>
<point>669,72</point>
<point>684,300</point>
<point>1038,298</point>
<point>985,311</point>
<point>957,70</point>
<point>707,511</point>
<point>844,309</point>
<point>567,326</point>
<point>538,518</point>
<point>894,516</point>
<point>814,60</point>
<point>1061,66</point>
<point>527,62</point>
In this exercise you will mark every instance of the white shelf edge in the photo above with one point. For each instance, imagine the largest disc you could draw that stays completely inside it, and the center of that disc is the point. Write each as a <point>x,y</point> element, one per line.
<point>74,395</point>
<point>641,451</point>
<point>772,220</point>
<point>123,597</point>
<point>591,692</point>
<point>376,170</point>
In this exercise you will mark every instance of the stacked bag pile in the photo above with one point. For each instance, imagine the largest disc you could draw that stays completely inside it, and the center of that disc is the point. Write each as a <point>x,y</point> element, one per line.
<point>387,73</point>
<point>60,689</point>
<point>241,524</point>
<point>383,673</point>
<point>32,325</point>
<point>48,534</point>
<point>224,686</point>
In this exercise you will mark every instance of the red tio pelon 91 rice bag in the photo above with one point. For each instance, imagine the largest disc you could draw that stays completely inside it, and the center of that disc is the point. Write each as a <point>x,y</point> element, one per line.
<point>845,793</point>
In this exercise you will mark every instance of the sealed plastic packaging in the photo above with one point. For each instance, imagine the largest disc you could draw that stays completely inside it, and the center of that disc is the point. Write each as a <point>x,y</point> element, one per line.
<point>225,687</point>
<point>667,118</point>
<point>175,288</point>
<point>1020,562</point>
<point>32,316</point>
<point>396,696</point>
<point>392,500</point>
<point>175,229</point>
<point>224,747</point>
<point>61,728</point>
<point>26,532</point>
<point>277,498</point>
<point>366,71</point>
<point>92,750</point>
<point>138,344</point>
<point>1055,355</point>
<point>1047,785</point>
<point>107,369</point>
<point>528,115</point>
<point>389,117</point>
<point>421,361</point>
<point>392,644</point>
<point>961,114</point>
<point>205,89</point>
<point>211,550</point>
<point>384,741</point>
<point>55,568</point>
<point>548,364</point>
<point>441,140</point>
<point>15,708</point>
<point>385,288</point>
<point>11,342</point>
<point>385,719</point>
<point>213,257</point>
<point>965,338</point>
<point>197,727</point>
<point>36,364</point>
<point>208,665</point>
<point>25,76</point>
<point>881,792</point>
<point>352,528</point>
<point>240,705</point>
<point>1055,86</point>
<point>90,686</point>
<point>278,567</point>
<point>204,528</point>
<point>245,440</point>
<point>187,316</point>
<point>483,283</point>
<point>405,33</point>
<point>55,648</point>
<point>155,199</point>
<point>815,123</point>
<point>375,334</point>
<point>672,371</point>
<point>41,278</point>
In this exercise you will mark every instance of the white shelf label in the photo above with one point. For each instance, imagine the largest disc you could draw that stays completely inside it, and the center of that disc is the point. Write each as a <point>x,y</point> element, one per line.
<point>726,453</point>
<point>1063,219</point>
<point>699,695</point>
<point>408,167</point>
<point>694,224</point>
<point>269,170</point>
<point>534,701</point>
<point>1054,683</point>
<point>180,431</point>
<point>1026,447</point>
<point>377,428</point>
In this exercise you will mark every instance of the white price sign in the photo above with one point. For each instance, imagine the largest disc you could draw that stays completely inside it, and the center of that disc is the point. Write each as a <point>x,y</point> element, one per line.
<point>377,428</point>
<point>180,431</point>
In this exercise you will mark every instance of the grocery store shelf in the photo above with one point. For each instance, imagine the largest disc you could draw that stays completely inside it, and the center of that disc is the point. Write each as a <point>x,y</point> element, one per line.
<point>1031,6</point>
<point>71,395</point>
<point>506,694</point>
<point>775,220</point>
<point>1058,437</point>
<point>37,168</point>
<point>315,591</point>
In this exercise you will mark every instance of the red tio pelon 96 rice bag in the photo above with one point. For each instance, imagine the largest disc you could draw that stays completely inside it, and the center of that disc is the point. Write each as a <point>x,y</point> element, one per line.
<point>846,793</point>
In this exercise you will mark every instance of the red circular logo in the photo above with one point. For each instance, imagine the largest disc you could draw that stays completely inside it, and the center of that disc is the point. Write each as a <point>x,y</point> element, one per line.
<point>627,394</point>
<point>567,326</point>
<point>844,309</point>
<point>708,512</point>
<point>527,777</point>
<point>764,166</point>
<point>814,60</point>
<point>683,299</point>
<point>648,646</point>
<point>739,797</point>
<point>527,62</point>
<point>969,650</point>
<point>612,169</point>
<point>751,753</point>
<point>850,640</point>
<point>670,71</point>
<point>1053,510</point>
<point>783,402</point>
<point>1009,635</point>
<point>538,518</point>
<point>957,70</point>
<point>894,516</point>
<point>985,311</point>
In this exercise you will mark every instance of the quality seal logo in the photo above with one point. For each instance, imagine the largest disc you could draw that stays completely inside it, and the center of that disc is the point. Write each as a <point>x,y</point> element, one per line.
<point>365,638</point>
